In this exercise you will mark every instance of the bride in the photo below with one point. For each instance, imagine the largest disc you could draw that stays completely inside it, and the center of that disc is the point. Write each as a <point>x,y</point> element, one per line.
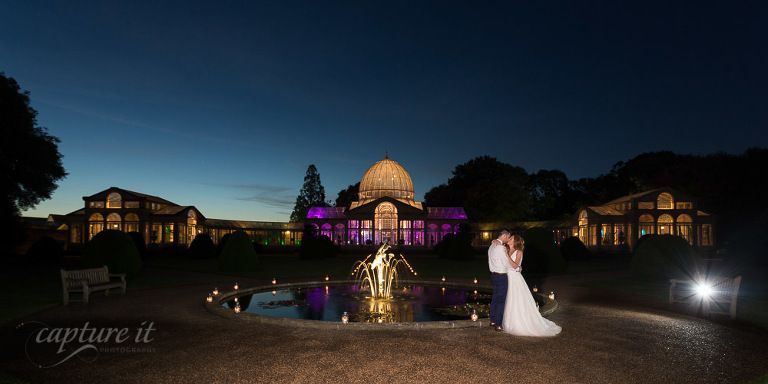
<point>521,315</point>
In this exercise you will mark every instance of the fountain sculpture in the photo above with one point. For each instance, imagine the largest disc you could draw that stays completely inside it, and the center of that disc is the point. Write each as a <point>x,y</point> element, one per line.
<point>381,273</point>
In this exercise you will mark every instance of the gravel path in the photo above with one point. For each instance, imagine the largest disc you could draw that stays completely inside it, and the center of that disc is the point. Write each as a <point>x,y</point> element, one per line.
<point>600,343</point>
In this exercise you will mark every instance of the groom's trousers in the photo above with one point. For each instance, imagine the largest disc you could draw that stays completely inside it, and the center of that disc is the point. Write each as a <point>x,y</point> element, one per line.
<point>499,283</point>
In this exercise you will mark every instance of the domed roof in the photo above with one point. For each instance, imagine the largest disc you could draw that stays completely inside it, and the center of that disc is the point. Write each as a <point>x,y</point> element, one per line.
<point>386,178</point>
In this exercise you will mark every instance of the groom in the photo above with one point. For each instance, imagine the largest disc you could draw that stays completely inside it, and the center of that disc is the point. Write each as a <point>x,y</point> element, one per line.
<point>497,263</point>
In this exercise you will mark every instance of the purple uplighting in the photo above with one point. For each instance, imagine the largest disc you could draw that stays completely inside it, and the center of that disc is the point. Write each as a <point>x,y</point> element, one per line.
<point>326,213</point>
<point>456,213</point>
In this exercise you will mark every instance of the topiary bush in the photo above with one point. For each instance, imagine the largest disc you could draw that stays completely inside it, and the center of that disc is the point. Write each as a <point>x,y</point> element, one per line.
<point>222,243</point>
<point>541,255</point>
<point>573,249</point>
<point>317,247</point>
<point>202,247</point>
<point>458,246</point>
<point>116,250</point>
<point>660,257</point>
<point>138,241</point>
<point>314,246</point>
<point>46,251</point>
<point>238,254</point>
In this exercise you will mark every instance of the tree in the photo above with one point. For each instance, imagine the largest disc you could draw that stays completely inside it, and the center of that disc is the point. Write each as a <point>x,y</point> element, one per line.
<point>30,162</point>
<point>488,189</point>
<point>551,195</point>
<point>312,194</point>
<point>348,195</point>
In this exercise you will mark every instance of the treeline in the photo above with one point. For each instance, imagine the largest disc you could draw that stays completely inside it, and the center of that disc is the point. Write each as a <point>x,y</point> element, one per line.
<point>733,187</point>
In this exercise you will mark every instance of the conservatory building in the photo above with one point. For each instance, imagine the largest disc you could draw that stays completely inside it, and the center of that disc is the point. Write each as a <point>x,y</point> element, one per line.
<point>386,211</point>
<point>662,211</point>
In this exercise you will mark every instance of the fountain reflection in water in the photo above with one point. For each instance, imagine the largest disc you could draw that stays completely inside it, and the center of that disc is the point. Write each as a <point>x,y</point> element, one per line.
<point>379,274</point>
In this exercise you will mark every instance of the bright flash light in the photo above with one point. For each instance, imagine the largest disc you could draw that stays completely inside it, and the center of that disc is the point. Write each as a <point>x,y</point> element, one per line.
<point>704,290</point>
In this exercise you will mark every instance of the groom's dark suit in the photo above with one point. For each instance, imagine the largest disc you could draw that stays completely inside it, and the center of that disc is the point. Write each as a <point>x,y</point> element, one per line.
<point>498,265</point>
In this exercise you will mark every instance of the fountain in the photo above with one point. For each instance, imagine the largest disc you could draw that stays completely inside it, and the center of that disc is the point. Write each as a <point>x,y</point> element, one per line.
<point>371,297</point>
<point>380,274</point>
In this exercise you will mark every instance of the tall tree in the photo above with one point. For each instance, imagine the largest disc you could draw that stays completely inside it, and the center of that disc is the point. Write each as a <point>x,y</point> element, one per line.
<point>30,161</point>
<point>312,194</point>
<point>348,195</point>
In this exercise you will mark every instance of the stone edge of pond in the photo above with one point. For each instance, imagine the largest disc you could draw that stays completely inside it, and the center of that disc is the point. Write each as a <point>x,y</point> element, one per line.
<point>216,308</point>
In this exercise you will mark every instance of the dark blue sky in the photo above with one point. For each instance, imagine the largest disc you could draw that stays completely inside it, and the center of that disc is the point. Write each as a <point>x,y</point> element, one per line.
<point>223,104</point>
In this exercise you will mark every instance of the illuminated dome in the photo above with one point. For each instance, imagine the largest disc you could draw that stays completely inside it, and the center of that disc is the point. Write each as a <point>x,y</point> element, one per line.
<point>386,178</point>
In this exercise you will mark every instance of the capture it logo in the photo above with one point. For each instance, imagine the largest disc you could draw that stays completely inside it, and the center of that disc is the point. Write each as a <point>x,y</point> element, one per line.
<point>47,347</point>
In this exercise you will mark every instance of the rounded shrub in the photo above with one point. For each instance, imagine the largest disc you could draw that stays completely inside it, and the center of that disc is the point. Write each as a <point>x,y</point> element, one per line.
<point>46,251</point>
<point>660,257</point>
<point>202,247</point>
<point>316,247</point>
<point>541,255</point>
<point>116,250</point>
<point>458,246</point>
<point>573,249</point>
<point>138,241</point>
<point>238,254</point>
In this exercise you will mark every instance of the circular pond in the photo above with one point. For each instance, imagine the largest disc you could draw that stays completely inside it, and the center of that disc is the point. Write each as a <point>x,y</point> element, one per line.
<point>410,302</point>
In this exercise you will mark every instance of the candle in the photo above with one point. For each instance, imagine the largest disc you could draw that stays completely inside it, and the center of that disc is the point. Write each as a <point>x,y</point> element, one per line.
<point>535,289</point>
<point>209,298</point>
<point>474,315</point>
<point>345,318</point>
<point>552,295</point>
<point>215,291</point>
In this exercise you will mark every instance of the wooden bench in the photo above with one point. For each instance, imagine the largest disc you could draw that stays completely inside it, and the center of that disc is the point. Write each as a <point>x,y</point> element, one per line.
<point>86,281</point>
<point>722,300</point>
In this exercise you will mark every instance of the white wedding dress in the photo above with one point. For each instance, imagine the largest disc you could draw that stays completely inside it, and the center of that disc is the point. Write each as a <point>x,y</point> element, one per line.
<point>521,315</point>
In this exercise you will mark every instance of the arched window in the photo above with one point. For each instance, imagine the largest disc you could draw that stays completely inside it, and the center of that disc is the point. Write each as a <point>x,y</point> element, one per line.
<point>114,200</point>
<point>583,222</point>
<point>338,233</point>
<point>432,233</point>
<point>386,223</point>
<point>646,226</point>
<point>191,225</point>
<point>95,224</point>
<point>665,201</point>
<point>114,221</point>
<point>325,230</point>
<point>684,227</point>
<point>444,230</point>
<point>131,222</point>
<point>665,224</point>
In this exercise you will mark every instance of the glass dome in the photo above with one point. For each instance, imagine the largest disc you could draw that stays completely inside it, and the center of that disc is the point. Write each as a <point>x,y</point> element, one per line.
<point>386,178</point>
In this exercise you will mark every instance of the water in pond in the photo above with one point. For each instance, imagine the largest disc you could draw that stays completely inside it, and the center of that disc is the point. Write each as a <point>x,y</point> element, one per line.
<point>327,303</point>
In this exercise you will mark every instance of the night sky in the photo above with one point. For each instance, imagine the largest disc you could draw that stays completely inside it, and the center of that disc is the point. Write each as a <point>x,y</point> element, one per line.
<point>223,105</point>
